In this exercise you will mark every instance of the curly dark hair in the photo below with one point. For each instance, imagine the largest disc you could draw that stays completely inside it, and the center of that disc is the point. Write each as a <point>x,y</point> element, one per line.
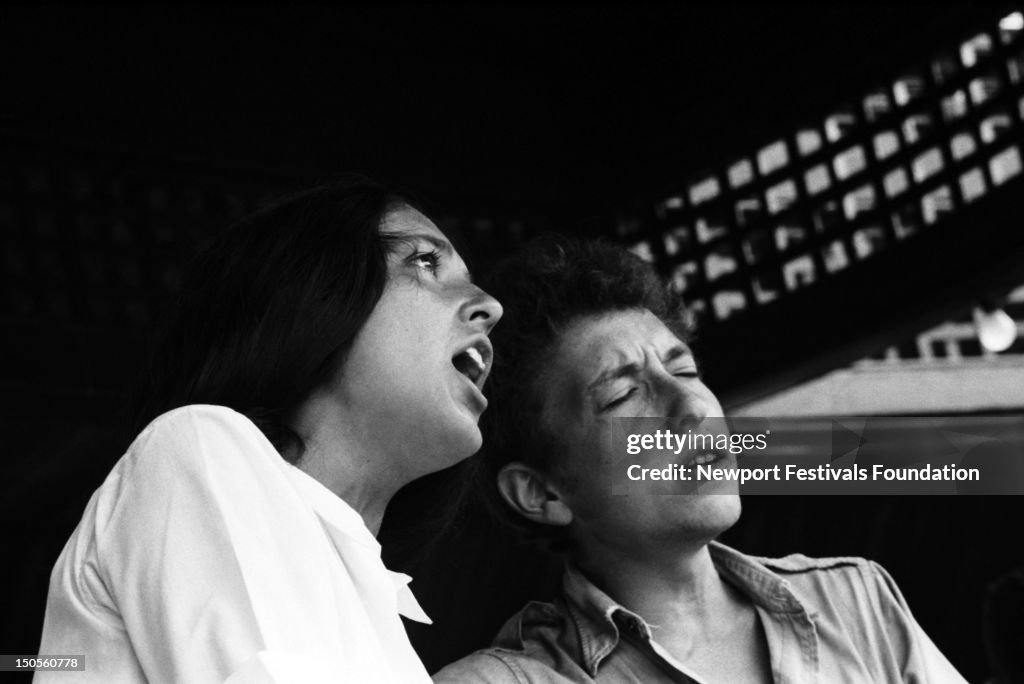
<point>544,288</point>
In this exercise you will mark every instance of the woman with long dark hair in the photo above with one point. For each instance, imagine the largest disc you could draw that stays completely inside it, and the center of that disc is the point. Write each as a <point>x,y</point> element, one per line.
<point>326,351</point>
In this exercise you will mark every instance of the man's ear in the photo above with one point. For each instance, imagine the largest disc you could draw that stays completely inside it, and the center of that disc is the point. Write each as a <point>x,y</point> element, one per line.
<point>533,495</point>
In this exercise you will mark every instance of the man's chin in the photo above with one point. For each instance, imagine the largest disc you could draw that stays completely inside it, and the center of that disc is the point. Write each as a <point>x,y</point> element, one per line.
<point>733,508</point>
<point>719,513</point>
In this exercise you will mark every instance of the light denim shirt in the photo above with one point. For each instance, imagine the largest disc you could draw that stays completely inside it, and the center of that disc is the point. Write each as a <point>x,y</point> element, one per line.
<point>829,620</point>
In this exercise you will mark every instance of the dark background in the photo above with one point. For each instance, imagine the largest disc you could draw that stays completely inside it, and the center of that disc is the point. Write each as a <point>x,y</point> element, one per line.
<point>510,119</point>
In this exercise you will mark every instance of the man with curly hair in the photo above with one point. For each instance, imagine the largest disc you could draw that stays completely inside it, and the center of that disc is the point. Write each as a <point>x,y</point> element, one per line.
<point>590,336</point>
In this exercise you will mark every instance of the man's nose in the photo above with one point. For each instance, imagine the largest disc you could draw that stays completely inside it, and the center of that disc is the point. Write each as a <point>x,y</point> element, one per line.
<point>681,397</point>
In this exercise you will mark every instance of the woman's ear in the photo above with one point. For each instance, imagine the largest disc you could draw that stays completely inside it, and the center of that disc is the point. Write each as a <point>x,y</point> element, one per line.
<point>533,495</point>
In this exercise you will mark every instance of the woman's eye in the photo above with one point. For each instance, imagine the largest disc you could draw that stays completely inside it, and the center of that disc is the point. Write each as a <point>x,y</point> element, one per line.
<point>427,261</point>
<point>687,374</point>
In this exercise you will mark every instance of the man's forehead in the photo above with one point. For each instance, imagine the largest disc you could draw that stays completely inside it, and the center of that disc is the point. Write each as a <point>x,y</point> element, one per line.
<point>612,336</point>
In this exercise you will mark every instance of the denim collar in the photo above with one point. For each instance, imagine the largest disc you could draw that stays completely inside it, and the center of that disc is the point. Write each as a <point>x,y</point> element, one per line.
<point>599,619</point>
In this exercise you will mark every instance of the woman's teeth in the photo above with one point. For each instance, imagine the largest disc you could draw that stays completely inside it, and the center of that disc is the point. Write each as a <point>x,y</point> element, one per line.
<point>476,357</point>
<point>470,363</point>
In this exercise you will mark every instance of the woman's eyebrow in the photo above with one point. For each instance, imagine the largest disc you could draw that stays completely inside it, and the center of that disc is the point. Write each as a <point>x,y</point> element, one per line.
<point>440,244</point>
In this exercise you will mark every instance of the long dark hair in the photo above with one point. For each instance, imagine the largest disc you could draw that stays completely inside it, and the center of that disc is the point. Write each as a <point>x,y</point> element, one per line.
<point>268,311</point>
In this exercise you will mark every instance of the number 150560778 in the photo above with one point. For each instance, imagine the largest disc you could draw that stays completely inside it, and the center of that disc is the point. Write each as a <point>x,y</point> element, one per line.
<point>32,663</point>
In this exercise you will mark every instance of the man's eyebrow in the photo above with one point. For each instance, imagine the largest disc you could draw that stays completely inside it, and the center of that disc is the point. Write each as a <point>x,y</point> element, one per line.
<point>626,369</point>
<point>677,351</point>
<point>614,373</point>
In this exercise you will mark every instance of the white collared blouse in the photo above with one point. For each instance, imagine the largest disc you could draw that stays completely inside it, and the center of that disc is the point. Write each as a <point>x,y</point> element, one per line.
<point>206,557</point>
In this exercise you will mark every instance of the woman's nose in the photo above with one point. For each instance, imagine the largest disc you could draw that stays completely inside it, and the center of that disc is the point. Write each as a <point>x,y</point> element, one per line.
<point>482,309</point>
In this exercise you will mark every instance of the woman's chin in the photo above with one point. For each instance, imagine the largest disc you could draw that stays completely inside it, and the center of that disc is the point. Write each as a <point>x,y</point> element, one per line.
<point>461,440</point>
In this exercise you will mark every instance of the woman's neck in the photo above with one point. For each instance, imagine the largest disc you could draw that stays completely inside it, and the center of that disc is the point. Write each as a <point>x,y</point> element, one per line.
<point>352,479</point>
<point>343,458</point>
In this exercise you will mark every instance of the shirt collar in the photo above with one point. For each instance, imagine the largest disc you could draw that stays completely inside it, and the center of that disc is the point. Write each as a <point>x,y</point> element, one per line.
<point>599,618</point>
<point>754,579</point>
<point>408,606</point>
<point>332,509</point>
<point>341,519</point>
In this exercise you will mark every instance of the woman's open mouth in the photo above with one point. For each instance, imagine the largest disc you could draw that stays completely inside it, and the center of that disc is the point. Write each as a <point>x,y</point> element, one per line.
<point>474,361</point>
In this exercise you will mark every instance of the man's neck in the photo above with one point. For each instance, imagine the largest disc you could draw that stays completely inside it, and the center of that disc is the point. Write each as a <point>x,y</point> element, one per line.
<point>680,588</point>
<point>679,594</point>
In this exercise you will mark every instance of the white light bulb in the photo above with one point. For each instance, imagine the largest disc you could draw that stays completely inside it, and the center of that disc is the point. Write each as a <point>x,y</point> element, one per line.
<point>996,329</point>
<point>1012,22</point>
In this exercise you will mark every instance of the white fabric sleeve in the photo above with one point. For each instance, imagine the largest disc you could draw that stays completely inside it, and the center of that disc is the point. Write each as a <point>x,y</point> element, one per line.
<point>197,561</point>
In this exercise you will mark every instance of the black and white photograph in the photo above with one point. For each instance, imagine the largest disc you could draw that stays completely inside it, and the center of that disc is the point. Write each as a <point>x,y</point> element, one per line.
<point>512,343</point>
